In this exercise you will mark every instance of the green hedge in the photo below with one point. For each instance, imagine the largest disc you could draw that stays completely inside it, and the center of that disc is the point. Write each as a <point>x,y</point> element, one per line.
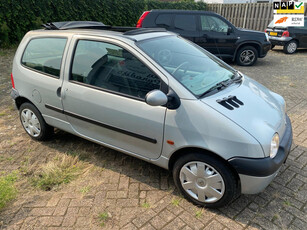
<point>19,16</point>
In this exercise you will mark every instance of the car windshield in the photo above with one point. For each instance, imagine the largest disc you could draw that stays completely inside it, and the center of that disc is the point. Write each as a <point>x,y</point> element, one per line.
<point>192,66</point>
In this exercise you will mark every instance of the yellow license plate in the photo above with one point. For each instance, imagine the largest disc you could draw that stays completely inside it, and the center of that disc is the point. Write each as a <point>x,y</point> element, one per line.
<point>273,33</point>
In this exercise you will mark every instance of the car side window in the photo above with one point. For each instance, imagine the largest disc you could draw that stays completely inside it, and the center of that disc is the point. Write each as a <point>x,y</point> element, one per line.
<point>164,20</point>
<point>185,22</point>
<point>112,68</point>
<point>44,55</point>
<point>212,23</point>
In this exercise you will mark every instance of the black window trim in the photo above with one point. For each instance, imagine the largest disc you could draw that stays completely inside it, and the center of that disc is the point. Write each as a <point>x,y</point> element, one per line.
<point>38,71</point>
<point>162,83</point>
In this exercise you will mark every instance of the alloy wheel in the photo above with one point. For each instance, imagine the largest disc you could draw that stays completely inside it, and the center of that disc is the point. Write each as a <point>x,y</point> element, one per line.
<point>247,56</point>
<point>292,47</point>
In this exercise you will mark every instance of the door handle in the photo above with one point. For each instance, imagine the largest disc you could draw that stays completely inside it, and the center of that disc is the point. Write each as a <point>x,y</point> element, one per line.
<point>58,92</point>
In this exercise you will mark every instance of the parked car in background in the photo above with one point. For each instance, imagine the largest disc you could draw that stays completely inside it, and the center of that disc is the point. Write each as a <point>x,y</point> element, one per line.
<point>291,38</point>
<point>212,32</point>
<point>155,96</point>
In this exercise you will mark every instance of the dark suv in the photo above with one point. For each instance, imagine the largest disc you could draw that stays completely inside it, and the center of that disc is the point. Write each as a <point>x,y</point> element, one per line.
<point>290,38</point>
<point>212,32</point>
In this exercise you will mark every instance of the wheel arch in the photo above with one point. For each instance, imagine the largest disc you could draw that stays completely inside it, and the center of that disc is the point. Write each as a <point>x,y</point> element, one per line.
<point>256,45</point>
<point>20,100</point>
<point>177,154</point>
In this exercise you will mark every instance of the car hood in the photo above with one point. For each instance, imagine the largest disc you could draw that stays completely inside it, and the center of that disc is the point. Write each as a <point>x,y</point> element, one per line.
<point>251,31</point>
<point>261,113</point>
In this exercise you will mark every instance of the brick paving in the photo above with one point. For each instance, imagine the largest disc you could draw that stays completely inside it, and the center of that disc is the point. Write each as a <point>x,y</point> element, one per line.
<point>138,195</point>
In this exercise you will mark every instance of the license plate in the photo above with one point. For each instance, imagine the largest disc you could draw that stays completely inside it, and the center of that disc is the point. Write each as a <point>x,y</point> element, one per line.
<point>273,33</point>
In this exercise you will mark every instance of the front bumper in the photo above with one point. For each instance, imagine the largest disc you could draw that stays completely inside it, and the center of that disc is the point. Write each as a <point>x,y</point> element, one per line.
<point>256,174</point>
<point>279,41</point>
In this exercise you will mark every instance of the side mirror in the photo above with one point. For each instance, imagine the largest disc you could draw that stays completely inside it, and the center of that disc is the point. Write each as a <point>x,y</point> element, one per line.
<point>156,98</point>
<point>229,30</point>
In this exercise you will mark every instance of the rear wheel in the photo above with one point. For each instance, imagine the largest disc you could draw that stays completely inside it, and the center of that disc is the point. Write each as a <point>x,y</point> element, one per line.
<point>205,180</point>
<point>247,56</point>
<point>33,122</point>
<point>290,47</point>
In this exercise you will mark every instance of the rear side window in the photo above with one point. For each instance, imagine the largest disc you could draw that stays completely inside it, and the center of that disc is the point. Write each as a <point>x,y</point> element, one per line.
<point>185,22</point>
<point>45,55</point>
<point>164,20</point>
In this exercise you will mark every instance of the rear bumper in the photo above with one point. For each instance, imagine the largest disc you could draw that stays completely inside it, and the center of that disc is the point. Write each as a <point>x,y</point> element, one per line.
<point>14,93</point>
<point>256,174</point>
<point>279,41</point>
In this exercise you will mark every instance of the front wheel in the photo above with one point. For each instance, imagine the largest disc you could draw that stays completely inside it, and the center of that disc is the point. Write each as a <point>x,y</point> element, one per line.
<point>247,56</point>
<point>205,180</point>
<point>290,47</point>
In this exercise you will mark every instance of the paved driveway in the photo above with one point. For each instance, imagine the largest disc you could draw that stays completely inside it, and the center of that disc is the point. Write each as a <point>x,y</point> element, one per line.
<point>137,195</point>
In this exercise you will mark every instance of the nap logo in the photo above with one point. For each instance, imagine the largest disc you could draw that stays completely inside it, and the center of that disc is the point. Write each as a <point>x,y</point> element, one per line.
<point>289,7</point>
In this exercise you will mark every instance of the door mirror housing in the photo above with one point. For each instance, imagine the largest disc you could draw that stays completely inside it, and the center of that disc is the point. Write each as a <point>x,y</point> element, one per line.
<point>156,98</point>
<point>229,30</point>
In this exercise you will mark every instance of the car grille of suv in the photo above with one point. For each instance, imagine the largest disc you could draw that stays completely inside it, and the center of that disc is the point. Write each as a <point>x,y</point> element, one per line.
<point>230,102</point>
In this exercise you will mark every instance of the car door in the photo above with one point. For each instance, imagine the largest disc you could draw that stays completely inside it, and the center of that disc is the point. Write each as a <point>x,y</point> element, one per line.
<point>104,98</point>
<point>186,26</point>
<point>221,39</point>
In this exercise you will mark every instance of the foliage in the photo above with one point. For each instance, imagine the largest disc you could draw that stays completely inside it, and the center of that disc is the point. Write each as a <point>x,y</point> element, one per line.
<point>7,188</point>
<point>61,170</point>
<point>103,217</point>
<point>19,16</point>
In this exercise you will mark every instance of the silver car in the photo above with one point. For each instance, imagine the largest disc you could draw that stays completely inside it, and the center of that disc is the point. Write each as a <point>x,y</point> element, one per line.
<point>156,96</point>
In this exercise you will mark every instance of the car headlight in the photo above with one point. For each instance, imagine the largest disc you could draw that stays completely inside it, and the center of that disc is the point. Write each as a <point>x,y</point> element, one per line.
<point>274,145</point>
<point>267,37</point>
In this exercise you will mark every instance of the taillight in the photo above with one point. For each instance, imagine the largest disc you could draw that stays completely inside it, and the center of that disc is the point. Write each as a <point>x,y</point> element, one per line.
<point>265,30</point>
<point>285,34</point>
<point>12,80</point>
<point>140,21</point>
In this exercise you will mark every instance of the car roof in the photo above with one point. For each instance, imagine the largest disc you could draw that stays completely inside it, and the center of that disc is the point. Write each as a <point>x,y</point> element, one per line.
<point>184,11</point>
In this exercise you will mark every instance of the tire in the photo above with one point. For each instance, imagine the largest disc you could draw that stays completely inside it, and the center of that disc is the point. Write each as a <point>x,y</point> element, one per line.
<point>290,47</point>
<point>246,56</point>
<point>33,122</point>
<point>197,188</point>
<point>272,47</point>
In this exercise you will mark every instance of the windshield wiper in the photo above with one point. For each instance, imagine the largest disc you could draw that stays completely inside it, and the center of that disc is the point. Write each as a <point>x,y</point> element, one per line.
<point>217,87</point>
<point>236,78</point>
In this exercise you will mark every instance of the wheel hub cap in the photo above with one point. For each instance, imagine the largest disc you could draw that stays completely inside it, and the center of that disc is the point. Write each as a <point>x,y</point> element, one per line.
<point>202,182</point>
<point>30,122</point>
